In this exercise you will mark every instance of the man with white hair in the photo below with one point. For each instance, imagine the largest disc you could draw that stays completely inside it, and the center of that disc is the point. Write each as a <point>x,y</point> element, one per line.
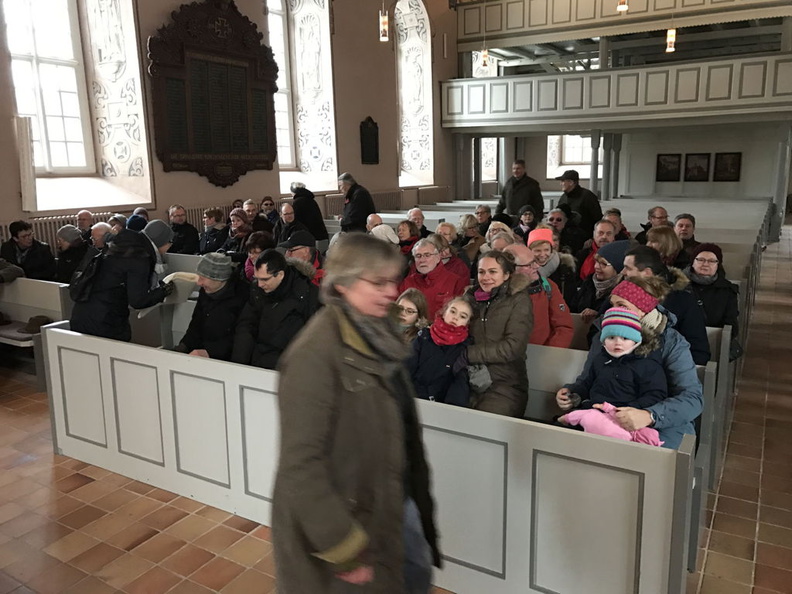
<point>85,220</point>
<point>380,230</point>
<point>101,235</point>
<point>416,215</point>
<point>435,281</point>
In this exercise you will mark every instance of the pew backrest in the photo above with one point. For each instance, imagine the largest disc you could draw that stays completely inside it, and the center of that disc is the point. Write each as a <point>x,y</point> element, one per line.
<point>548,369</point>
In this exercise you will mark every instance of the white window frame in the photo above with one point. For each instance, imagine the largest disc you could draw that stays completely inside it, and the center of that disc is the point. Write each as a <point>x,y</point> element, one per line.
<point>78,66</point>
<point>289,161</point>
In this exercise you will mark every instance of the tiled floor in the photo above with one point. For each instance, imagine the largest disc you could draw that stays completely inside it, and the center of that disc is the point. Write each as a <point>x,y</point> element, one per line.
<point>69,527</point>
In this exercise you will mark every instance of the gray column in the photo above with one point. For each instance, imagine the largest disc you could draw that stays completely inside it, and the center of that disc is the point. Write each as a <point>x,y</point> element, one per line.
<point>476,181</point>
<point>607,143</point>
<point>786,34</point>
<point>604,53</point>
<point>463,156</point>
<point>506,156</point>
<point>617,144</point>
<point>594,175</point>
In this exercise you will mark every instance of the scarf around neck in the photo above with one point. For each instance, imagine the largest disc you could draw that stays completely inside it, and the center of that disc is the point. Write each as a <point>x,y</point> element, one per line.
<point>699,279</point>
<point>382,335</point>
<point>605,286</point>
<point>445,334</point>
<point>551,266</point>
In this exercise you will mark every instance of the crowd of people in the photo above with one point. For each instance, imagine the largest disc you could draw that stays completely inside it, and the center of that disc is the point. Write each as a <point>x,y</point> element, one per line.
<point>392,313</point>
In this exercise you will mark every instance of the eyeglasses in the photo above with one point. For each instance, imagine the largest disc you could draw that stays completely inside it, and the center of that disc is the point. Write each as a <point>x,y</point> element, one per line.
<point>559,220</point>
<point>705,261</point>
<point>478,212</point>
<point>532,264</point>
<point>381,284</point>
<point>408,310</point>
<point>424,256</point>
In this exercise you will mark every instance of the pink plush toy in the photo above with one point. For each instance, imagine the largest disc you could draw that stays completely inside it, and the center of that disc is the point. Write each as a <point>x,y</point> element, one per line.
<point>603,422</point>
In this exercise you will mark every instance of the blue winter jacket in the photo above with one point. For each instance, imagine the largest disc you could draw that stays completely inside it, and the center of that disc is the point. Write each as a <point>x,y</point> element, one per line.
<point>439,372</point>
<point>674,416</point>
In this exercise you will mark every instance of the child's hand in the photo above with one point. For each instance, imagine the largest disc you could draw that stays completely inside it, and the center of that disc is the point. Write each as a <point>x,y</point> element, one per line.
<point>563,400</point>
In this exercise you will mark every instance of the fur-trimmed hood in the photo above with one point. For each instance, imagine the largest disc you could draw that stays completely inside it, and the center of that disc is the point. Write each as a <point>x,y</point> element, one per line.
<point>568,260</point>
<point>303,267</point>
<point>677,279</point>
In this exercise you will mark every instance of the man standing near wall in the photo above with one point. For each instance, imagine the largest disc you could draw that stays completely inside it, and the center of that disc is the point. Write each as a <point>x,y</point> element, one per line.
<point>581,201</point>
<point>358,204</point>
<point>519,190</point>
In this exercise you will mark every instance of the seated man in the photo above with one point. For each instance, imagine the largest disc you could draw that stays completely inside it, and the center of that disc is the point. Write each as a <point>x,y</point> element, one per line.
<point>436,282</point>
<point>691,321</point>
<point>614,215</point>
<point>85,221</point>
<point>278,308</point>
<point>552,322</point>
<point>258,220</point>
<point>571,238</point>
<point>185,236</point>
<point>685,229</point>
<point>287,224</point>
<point>380,230</point>
<point>220,301</point>
<point>416,215</point>
<point>31,255</point>
<point>604,233</point>
<point>301,246</point>
<point>658,217</point>
<point>101,235</point>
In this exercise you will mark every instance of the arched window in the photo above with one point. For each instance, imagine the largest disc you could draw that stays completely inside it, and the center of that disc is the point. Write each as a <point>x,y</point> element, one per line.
<point>414,73</point>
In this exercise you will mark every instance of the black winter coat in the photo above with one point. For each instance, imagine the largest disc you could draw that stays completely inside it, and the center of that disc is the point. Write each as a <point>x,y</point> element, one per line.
<point>38,263</point>
<point>125,279</point>
<point>439,372</point>
<point>269,321</point>
<point>518,193</point>
<point>629,380</point>
<point>584,202</point>
<point>214,320</point>
<point>307,211</point>
<point>566,277</point>
<point>358,205</point>
<point>185,239</point>
<point>284,230</point>
<point>719,301</point>
<point>586,297</point>
<point>213,240</point>
<point>68,261</point>
<point>691,321</point>
<point>234,247</point>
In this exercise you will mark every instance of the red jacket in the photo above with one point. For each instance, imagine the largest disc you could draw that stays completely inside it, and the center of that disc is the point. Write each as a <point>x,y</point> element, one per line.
<point>552,320</point>
<point>438,287</point>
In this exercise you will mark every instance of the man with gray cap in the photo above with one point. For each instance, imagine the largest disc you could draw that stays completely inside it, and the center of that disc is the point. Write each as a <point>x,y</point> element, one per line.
<point>358,204</point>
<point>220,300</point>
<point>71,251</point>
<point>300,246</point>
<point>582,201</point>
<point>161,236</point>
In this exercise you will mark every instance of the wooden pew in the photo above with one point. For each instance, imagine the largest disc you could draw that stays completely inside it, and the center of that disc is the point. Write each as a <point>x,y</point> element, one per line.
<point>516,501</point>
<point>719,341</point>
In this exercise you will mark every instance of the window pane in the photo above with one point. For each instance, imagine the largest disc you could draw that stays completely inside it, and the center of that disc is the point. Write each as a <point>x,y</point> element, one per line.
<point>58,154</point>
<point>55,129</point>
<point>20,34</point>
<point>275,5</point>
<point>71,104</point>
<point>53,39</point>
<point>76,154</point>
<point>38,155</point>
<point>52,104</point>
<point>73,129</point>
<point>67,79</point>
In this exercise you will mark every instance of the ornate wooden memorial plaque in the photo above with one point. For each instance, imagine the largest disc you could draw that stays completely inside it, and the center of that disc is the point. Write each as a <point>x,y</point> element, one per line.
<point>213,88</point>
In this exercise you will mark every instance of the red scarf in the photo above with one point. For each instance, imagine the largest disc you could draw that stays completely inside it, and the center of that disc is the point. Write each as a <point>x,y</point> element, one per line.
<point>587,267</point>
<point>407,245</point>
<point>445,334</point>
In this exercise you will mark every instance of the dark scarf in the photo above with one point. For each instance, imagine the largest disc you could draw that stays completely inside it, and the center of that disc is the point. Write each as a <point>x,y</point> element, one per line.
<point>382,335</point>
<point>698,279</point>
<point>407,245</point>
<point>445,334</point>
<point>603,287</point>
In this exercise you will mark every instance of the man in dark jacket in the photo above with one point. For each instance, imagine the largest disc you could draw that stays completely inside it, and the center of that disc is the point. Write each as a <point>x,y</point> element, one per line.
<point>691,321</point>
<point>657,217</point>
<point>582,201</point>
<point>416,215</point>
<point>185,236</point>
<point>307,212</point>
<point>125,279</point>
<point>519,190</point>
<point>71,251</point>
<point>287,224</point>
<point>31,255</point>
<point>258,220</point>
<point>358,204</point>
<point>215,231</point>
<point>220,301</point>
<point>85,221</point>
<point>279,306</point>
<point>685,229</point>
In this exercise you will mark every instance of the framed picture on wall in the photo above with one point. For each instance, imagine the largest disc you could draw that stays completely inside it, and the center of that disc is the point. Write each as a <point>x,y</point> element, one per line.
<point>669,168</point>
<point>697,167</point>
<point>727,167</point>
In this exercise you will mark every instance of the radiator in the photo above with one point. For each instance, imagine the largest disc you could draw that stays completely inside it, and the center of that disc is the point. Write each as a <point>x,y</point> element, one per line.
<point>384,201</point>
<point>46,228</point>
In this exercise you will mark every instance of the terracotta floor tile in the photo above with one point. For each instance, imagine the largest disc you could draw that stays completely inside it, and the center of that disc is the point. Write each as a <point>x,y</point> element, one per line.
<point>251,582</point>
<point>45,535</point>
<point>216,574</point>
<point>248,551</point>
<point>715,585</point>
<point>729,568</point>
<point>163,517</point>
<point>774,499</point>
<point>187,560</point>
<point>738,507</point>
<point>23,524</point>
<point>738,491</point>
<point>123,570</point>
<point>266,565</point>
<point>774,556</point>
<point>95,472</point>
<point>218,539</point>
<point>213,514</point>
<point>139,487</point>
<point>741,477</point>
<point>10,510</point>
<point>90,585</point>
<point>187,504</point>
<point>188,587</point>
<point>62,506</point>
<point>140,507</point>
<point>7,583</point>
<point>775,535</point>
<point>263,532</point>
<point>734,525</point>
<point>82,517</point>
<point>729,544</point>
<point>190,528</point>
<point>70,546</point>
<point>241,524</point>
<point>750,451</point>
<point>72,482</point>
<point>92,491</point>
<point>30,565</point>
<point>107,526</point>
<point>774,515</point>
<point>773,578</point>
<point>131,537</point>
<point>159,547</point>
<point>162,495</point>
<point>96,557</point>
<point>56,579</point>
<point>777,483</point>
<point>155,581</point>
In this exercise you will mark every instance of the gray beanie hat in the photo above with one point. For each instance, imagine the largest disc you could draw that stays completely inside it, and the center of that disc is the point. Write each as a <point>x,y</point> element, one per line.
<point>69,233</point>
<point>215,266</point>
<point>117,219</point>
<point>159,232</point>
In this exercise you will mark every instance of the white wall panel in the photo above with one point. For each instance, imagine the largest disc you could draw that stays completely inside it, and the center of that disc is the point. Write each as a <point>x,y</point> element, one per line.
<point>499,98</point>
<point>547,91</point>
<point>523,96</point>
<point>475,99</point>
<point>687,85</point>
<point>515,15</point>
<point>81,376</point>
<point>494,18</point>
<point>587,9</point>
<point>753,77</point>
<point>136,396</point>
<point>719,82</point>
<point>627,93</point>
<point>783,78</point>
<point>599,92</point>
<point>260,437</point>
<point>572,93</point>
<point>657,88</point>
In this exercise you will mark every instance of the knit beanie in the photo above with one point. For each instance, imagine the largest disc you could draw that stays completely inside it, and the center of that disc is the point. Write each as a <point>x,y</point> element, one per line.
<point>527,208</point>
<point>614,253</point>
<point>159,232</point>
<point>238,212</point>
<point>69,233</point>
<point>215,266</point>
<point>540,235</point>
<point>118,219</point>
<point>631,292</point>
<point>709,247</point>
<point>136,223</point>
<point>618,321</point>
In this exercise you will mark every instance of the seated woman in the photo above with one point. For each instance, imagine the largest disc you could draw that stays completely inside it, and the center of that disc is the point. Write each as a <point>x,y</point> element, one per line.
<point>624,372</point>
<point>557,266</point>
<point>666,242</point>
<point>438,365</point>
<point>412,313</point>
<point>408,233</point>
<point>449,232</point>
<point>470,237</point>
<point>71,251</point>
<point>257,242</point>
<point>596,289</point>
<point>495,228</point>
<point>500,332</point>
<point>715,293</point>
<point>527,222</point>
<point>238,233</point>
<point>674,416</point>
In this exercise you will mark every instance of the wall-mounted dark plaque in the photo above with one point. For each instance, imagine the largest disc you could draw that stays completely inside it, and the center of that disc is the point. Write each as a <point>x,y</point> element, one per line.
<point>213,84</point>
<point>369,142</point>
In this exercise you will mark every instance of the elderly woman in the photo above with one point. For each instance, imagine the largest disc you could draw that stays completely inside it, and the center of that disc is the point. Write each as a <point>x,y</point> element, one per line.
<point>557,266</point>
<point>674,416</point>
<point>668,245</point>
<point>495,228</point>
<point>71,251</point>
<point>500,332</point>
<point>408,233</point>
<point>715,293</point>
<point>351,500</point>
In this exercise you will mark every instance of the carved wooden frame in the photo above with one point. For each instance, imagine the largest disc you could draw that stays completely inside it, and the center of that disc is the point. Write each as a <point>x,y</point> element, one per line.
<point>215,34</point>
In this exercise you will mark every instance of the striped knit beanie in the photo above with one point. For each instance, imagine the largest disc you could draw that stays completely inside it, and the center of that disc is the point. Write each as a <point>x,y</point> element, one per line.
<point>622,322</point>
